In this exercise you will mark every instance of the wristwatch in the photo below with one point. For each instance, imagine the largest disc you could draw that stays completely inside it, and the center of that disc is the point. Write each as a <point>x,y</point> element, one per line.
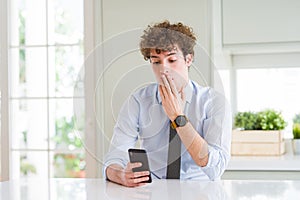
<point>180,121</point>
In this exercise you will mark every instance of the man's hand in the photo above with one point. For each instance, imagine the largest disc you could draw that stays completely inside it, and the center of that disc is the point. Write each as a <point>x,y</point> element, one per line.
<point>173,101</point>
<point>127,177</point>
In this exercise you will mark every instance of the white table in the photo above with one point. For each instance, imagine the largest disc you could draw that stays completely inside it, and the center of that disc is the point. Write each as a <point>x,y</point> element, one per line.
<point>73,189</point>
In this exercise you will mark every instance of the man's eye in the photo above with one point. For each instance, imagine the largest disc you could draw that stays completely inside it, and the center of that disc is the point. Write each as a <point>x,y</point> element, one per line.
<point>155,63</point>
<point>171,61</point>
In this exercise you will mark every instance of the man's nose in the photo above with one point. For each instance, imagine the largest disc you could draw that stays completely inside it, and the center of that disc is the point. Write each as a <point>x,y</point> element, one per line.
<point>164,67</point>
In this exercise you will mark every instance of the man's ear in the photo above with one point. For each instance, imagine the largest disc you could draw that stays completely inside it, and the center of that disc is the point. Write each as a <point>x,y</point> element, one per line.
<point>189,59</point>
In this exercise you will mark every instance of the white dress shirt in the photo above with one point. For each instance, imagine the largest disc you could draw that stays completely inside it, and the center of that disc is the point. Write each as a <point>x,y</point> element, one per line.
<point>142,118</point>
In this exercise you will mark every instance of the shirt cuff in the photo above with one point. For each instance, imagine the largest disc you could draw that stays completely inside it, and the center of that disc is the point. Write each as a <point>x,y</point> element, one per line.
<point>213,160</point>
<point>212,157</point>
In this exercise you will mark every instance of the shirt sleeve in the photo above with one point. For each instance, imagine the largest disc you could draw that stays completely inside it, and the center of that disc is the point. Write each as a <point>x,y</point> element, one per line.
<point>125,134</point>
<point>217,133</point>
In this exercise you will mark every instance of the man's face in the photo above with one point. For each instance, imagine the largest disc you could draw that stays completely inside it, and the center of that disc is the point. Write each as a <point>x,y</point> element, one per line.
<point>171,63</point>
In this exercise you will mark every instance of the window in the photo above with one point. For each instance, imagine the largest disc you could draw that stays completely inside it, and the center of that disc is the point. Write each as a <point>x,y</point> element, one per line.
<point>45,59</point>
<point>258,87</point>
<point>259,69</point>
<point>276,88</point>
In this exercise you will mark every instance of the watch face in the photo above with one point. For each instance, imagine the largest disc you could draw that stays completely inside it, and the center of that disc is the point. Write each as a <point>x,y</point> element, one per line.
<point>180,120</point>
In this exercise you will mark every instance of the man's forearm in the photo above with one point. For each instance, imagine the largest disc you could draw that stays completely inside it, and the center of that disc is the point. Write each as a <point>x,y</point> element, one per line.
<point>194,143</point>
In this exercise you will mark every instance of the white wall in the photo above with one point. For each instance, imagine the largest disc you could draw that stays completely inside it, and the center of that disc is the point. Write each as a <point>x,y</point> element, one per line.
<point>260,21</point>
<point>255,33</point>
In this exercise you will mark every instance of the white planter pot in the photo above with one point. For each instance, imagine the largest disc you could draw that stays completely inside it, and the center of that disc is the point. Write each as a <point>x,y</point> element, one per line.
<point>296,146</point>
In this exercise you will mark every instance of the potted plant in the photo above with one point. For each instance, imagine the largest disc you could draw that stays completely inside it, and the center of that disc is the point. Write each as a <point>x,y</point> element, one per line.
<point>258,133</point>
<point>296,134</point>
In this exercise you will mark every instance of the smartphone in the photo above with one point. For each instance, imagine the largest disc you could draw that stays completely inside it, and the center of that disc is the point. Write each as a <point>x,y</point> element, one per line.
<point>140,155</point>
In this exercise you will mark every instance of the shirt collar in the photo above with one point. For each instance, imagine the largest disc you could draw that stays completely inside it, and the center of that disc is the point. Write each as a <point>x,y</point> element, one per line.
<point>188,91</point>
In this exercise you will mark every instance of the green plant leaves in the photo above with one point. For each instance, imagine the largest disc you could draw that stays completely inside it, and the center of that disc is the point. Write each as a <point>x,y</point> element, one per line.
<point>296,130</point>
<point>271,120</point>
<point>265,120</point>
<point>296,126</point>
<point>246,120</point>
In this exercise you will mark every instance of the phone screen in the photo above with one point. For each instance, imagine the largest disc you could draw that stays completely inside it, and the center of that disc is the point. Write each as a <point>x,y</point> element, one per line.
<point>140,155</point>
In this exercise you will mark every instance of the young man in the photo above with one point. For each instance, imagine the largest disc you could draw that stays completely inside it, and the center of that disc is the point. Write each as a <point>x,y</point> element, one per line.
<point>200,116</point>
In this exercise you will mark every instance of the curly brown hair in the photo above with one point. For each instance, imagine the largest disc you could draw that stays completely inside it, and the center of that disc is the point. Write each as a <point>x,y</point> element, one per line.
<point>164,36</point>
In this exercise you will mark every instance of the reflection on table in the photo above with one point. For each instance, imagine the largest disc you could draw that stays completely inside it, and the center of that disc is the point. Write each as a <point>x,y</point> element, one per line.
<point>91,189</point>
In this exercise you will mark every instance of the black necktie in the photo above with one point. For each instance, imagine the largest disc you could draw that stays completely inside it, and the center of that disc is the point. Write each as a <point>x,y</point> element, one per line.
<point>174,158</point>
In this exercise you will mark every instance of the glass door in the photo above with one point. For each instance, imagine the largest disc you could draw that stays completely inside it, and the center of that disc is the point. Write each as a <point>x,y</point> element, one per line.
<point>46,59</point>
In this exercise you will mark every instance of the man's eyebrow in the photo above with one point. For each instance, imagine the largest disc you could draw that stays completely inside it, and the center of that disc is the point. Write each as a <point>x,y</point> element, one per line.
<point>172,53</point>
<point>169,54</point>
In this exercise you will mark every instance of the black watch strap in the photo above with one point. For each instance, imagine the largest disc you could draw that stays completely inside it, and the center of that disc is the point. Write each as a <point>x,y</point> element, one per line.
<point>180,121</point>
